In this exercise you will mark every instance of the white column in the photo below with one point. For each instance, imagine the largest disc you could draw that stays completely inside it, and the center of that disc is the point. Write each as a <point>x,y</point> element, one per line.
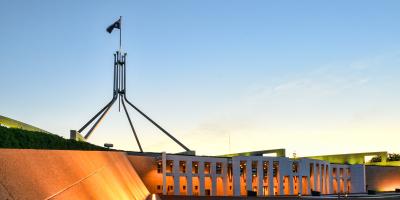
<point>271,177</point>
<point>249,177</point>
<point>175,170</point>
<point>164,172</point>
<point>280,175</point>
<point>330,180</point>
<point>213,170</point>
<point>326,184</point>
<point>201,178</point>
<point>321,173</point>
<point>236,176</point>
<point>225,177</point>
<point>323,181</point>
<point>300,179</point>
<point>260,176</point>
<point>189,179</point>
<point>309,178</point>
<point>315,177</point>
<point>338,179</point>
<point>345,180</point>
<point>291,184</point>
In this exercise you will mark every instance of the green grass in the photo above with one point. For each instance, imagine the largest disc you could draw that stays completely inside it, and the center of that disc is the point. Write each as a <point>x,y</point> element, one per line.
<point>24,139</point>
<point>12,123</point>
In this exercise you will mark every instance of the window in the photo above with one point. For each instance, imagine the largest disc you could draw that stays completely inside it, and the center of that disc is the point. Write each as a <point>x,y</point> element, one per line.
<point>196,187</point>
<point>159,187</point>
<point>295,167</point>
<point>265,168</point>
<point>195,167</point>
<point>207,168</point>
<point>311,170</point>
<point>230,173</point>
<point>169,166</point>
<point>184,187</point>
<point>242,168</point>
<point>254,169</point>
<point>182,166</point>
<point>276,167</point>
<point>219,168</point>
<point>159,167</point>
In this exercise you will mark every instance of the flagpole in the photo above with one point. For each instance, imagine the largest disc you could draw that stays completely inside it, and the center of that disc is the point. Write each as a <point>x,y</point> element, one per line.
<point>120,30</point>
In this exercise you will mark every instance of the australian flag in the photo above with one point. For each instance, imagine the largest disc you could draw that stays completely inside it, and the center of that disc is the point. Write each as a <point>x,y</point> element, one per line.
<point>116,24</point>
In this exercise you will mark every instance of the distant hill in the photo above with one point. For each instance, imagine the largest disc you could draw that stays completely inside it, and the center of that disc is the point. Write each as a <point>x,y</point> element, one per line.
<point>12,123</point>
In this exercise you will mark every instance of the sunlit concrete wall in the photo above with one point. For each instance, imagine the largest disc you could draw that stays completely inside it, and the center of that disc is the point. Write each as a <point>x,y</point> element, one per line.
<point>146,167</point>
<point>382,178</point>
<point>62,174</point>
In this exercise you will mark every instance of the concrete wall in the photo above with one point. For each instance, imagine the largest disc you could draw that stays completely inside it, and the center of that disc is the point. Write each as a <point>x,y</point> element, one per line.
<point>382,178</point>
<point>146,167</point>
<point>62,174</point>
<point>357,178</point>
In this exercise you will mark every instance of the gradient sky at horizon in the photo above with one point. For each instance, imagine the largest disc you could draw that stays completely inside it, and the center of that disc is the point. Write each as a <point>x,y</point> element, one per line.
<point>314,77</point>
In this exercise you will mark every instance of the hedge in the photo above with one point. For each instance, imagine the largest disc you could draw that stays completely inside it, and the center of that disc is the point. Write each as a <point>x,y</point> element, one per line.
<point>23,139</point>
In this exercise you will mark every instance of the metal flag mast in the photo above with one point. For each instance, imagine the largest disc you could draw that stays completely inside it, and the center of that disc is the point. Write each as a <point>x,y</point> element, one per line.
<point>119,92</point>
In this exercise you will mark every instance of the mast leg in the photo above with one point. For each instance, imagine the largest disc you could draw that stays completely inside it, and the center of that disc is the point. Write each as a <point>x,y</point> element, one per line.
<point>93,118</point>
<point>158,126</point>
<point>100,119</point>
<point>130,123</point>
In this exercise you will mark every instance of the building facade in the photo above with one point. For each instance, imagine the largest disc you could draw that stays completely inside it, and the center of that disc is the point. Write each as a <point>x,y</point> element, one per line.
<point>240,175</point>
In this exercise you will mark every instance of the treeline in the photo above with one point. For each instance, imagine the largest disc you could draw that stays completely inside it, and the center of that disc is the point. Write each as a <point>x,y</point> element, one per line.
<point>23,139</point>
<point>390,157</point>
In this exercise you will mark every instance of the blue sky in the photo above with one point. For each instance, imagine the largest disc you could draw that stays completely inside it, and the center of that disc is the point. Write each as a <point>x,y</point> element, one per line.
<point>314,77</point>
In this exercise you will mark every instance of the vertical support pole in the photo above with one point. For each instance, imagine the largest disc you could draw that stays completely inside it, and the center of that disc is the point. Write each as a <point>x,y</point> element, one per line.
<point>164,172</point>
<point>300,180</point>
<point>291,184</point>
<point>338,179</point>
<point>115,74</point>
<point>320,178</point>
<point>260,177</point>
<point>213,171</point>
<point>124,89</point>
<point>249,176</point>
<point>189,179</point>
<point>120,32</point>
<point>201,178</point>
<point>330,179</point>
<point>225,177</point>
<point>271,186</point>
<point>236,176</point>
<point>176,173</point>
<point>315,177</point>
<point>280,175</point>
<point>345,180</point>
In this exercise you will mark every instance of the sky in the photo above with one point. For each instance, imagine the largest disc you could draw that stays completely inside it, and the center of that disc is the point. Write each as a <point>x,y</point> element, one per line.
<point>314,77</point>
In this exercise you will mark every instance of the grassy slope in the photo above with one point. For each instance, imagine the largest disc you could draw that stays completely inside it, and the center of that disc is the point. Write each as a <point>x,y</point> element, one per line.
<point>24,139</point>
<point>12,123</point>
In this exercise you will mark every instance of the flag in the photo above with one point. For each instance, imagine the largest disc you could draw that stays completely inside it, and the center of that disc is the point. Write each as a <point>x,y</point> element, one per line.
<point>116,24</point>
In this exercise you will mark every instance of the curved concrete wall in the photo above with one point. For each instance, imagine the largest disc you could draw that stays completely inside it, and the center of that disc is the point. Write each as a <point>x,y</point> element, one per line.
<point>65,174</point>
